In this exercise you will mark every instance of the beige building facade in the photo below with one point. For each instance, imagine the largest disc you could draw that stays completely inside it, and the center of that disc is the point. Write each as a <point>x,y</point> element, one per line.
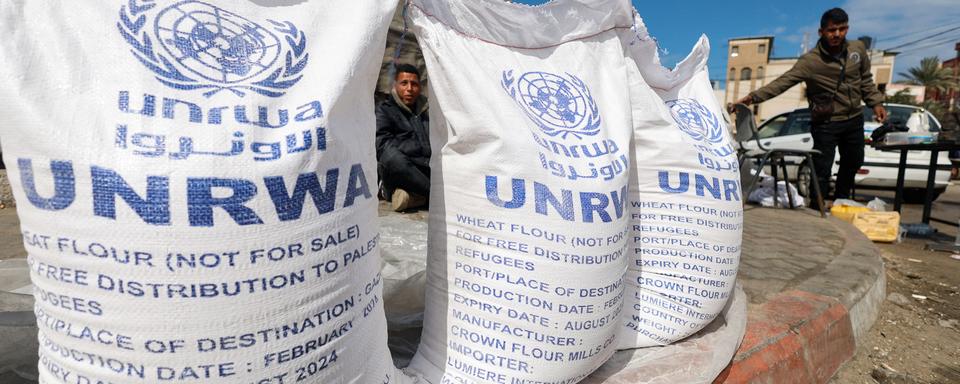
<point>750,66</point>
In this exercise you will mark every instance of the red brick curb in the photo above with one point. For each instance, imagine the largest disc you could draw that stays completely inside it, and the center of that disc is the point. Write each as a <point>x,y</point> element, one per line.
<point>796,337</point>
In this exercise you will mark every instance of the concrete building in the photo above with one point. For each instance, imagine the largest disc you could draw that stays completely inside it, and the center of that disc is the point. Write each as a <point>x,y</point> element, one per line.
<point>917,91</point>
<point>750,65</point>
<point>950,96</point>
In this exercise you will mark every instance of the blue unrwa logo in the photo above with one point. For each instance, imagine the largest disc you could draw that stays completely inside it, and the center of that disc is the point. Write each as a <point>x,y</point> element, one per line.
<point>192,45</point>
<point>696,120</point>
<point>560,105</point>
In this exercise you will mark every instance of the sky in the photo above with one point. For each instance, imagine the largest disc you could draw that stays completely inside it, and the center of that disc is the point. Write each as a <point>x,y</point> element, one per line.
<point>678,24</point>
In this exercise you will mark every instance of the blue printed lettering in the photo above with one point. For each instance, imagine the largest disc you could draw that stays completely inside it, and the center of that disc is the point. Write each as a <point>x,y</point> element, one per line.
<point>356,186</point>
<point>240,114</point>
<point>200,201</point>
<point>153,205</point>
<point>542,196</point>
<point>309,111</point>
<point>704,184</point>
<point>169,105</point>
<point>592,203</point>
<point>519,193</point>
<point>730,188</point>
<point>290,206</point>
<point>149,104</point>
<point>587,204</point>
<point>665,182</point>
<point>64,185</point>
<point>107,184</point>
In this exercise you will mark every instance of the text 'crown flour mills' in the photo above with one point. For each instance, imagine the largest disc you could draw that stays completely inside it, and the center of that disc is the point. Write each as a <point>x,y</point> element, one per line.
<point>528,217</point>
<point>685,203</point>
<point>197,188</point>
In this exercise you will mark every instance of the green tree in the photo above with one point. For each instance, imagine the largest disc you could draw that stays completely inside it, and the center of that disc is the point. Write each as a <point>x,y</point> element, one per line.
<point>930,75</point>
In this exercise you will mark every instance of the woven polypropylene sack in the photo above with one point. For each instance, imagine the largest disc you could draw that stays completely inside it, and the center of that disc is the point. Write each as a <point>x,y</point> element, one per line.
<point>685,200</point>
<point>531,134</point>
<point>197,182</point>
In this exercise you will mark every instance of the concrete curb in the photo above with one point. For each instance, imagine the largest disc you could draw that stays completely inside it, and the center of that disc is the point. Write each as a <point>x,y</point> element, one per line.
<point>804,335</point>
<point>856,278</point>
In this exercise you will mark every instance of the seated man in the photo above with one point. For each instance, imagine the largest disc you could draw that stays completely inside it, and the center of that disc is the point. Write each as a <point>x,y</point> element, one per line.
<point>403,142</point>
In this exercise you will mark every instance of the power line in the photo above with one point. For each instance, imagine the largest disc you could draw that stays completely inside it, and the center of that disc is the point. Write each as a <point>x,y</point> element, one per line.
<point>916,32</point>
<point>935,43</point>
<point>922,39</point>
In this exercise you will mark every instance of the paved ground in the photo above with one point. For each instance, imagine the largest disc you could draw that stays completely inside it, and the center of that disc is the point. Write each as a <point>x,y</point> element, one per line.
<point>781,249</point>
<point>11,244</point>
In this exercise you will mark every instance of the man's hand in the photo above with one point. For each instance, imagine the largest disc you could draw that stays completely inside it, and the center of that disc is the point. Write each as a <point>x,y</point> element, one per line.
<point>879,113</point>
<point>746,100</point>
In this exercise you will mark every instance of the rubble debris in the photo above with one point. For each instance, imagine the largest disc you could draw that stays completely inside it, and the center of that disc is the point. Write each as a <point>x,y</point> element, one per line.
<point>886,375</point>
<point>898,299</point>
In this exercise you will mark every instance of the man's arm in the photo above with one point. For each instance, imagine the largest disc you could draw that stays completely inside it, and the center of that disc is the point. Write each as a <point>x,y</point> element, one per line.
<point>871,95</point>
<point>385,129</point>
<point>779,85</point>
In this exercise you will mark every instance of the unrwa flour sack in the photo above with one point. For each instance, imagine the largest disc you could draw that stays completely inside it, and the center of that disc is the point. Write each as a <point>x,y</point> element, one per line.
<point>527,206</point>
<point>197,188</point>
<point>685,202</point>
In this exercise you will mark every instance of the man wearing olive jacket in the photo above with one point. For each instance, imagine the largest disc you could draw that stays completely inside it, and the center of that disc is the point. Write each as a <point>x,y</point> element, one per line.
<point>837,76</point>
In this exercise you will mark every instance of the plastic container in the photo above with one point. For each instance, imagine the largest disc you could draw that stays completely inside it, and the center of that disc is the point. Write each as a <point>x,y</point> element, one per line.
<point>896,138</point>
<point>922,138</point>
<point>847,212</point>
<point>878,226</point>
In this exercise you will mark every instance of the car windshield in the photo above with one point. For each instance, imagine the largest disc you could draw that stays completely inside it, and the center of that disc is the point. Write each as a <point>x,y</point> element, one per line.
<point>772,127</point>
<point>794,123</point>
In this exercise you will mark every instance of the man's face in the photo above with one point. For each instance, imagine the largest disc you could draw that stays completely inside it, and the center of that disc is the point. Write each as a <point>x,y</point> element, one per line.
<point>834,34</point>
<point>407,86</point>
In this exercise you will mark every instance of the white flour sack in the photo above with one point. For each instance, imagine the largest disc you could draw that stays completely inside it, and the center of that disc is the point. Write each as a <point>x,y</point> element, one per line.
<point>197,188</point>
<point>685,203</point>
<point>528,220</point>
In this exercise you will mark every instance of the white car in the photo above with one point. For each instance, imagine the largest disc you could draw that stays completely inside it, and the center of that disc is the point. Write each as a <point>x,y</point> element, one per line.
<point>791,130</point>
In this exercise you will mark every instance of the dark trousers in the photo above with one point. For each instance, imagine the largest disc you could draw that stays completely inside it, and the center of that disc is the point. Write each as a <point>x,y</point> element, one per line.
<point>397,170</point>
<point>847,135</point>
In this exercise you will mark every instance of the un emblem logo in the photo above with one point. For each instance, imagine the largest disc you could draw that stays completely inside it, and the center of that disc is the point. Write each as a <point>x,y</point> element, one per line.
<point>192,45</point>
<point>560,105</point>
<point>696,120</point>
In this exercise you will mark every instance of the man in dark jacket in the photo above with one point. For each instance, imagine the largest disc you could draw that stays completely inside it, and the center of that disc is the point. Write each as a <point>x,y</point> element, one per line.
<point>837,76</point>
<point>403,141</point>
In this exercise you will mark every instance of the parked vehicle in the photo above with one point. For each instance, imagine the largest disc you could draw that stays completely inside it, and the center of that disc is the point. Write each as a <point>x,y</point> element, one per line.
<point>792,130</point>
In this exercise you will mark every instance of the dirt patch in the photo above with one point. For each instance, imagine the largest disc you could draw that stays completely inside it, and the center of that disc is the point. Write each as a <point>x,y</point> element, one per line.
<point>917,335</point>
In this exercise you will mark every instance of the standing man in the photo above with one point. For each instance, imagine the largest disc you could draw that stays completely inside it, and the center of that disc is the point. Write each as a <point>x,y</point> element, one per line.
<point>403,141</point>
<point>837,76</point>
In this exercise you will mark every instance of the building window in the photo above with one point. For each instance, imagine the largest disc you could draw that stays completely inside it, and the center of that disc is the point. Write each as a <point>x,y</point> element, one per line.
<point>746,74</point>
<point>735,51</point>
<point>760,73</point>
<point>762,49</point>
<point>733,74</point>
